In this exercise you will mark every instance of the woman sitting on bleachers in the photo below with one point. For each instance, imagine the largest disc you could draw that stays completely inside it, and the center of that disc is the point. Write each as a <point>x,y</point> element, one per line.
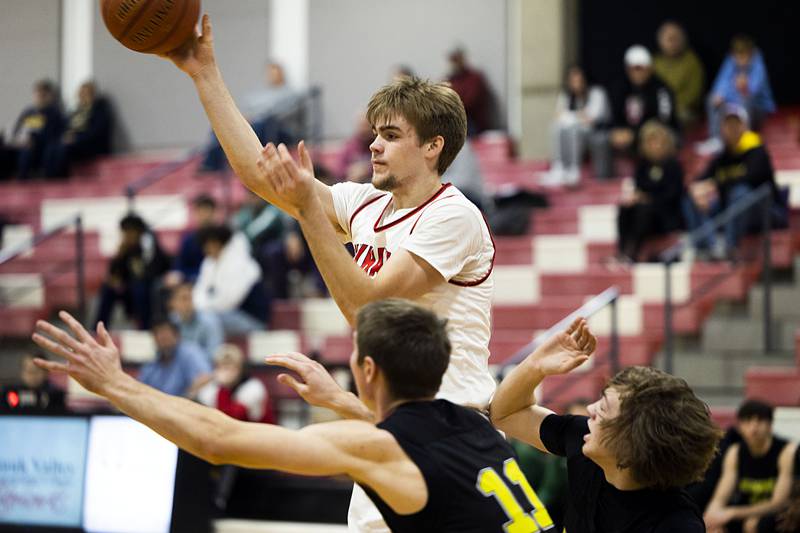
<point>579,109</point>
<point>653,205</point>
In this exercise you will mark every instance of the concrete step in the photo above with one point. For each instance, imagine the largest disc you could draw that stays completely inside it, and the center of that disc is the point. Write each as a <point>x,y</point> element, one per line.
<point>721,370</point>
<point>785,302</point>
<point>744,334</point>
<point>728,398</point>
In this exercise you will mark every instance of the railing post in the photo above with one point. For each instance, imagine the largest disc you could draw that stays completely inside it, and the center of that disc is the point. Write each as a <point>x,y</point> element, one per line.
<point>614,352</point>
<point>80,269</point>
<point>130,192</point>
<point>767,269</point>
<point>668,333</point>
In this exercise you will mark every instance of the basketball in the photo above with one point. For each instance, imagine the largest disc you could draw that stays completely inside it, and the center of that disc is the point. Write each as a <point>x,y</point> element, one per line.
<point>150,26</point>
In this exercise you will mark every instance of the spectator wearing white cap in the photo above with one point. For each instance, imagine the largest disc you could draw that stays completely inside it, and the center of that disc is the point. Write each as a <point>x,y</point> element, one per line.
<point>643,96</point>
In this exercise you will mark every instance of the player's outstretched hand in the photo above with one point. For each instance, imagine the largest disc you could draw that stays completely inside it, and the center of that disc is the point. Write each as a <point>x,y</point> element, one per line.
<point>291,180</point>
<point>197,53</point>
<point>566,350</point>
<point>316,386</point>
<point>95,364</point>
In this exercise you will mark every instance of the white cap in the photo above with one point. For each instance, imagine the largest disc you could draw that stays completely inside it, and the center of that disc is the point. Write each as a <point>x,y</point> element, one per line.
<point>637,56</point>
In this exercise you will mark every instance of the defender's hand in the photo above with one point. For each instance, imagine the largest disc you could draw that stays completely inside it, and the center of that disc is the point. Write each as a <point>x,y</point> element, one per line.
<point>197,53</point>
<point>565,351</point>
<point>95,365</point>
<point>316,385</point>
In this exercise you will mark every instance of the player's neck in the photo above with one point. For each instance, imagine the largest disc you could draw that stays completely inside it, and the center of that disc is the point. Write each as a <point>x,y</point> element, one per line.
<point>416,193</point>
<point>620,478</point>
<point>386,405</point>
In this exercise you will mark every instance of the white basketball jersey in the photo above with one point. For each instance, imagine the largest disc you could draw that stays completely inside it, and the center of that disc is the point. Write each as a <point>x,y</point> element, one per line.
<point>449,233</point>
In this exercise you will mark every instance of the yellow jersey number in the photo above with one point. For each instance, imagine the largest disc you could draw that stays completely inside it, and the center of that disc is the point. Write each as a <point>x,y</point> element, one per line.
<point>491,484</point>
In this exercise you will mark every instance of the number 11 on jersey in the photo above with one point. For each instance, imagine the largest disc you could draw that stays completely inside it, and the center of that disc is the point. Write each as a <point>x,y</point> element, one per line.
<point>491,484</point>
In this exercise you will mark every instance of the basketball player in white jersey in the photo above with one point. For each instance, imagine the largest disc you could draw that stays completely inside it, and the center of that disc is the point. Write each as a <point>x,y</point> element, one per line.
<point>414,237</point>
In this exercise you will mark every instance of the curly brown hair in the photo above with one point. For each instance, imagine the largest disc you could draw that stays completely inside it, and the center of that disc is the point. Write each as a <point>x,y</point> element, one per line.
<point>663,433</point>
<point>431,108</point>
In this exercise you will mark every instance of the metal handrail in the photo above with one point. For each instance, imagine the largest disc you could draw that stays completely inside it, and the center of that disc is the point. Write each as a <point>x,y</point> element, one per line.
<point>588,309</point>
<point>158,173</point>
<point>7,255</point>
<point>760,196</point>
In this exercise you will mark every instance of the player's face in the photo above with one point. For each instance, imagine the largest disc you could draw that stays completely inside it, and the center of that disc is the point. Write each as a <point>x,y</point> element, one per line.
<point>396,154</point>
<point>604,409</point>
<point>755,431</point>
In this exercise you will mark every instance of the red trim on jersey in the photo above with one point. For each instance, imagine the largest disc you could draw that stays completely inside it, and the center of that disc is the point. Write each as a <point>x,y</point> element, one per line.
<point>360,208</point>
<point>416,210</point>
<point>491,264</point>
<point>420,215</point>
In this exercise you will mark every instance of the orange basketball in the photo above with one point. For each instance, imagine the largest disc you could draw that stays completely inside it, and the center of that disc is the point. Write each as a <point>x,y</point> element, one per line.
<point>150,26</point>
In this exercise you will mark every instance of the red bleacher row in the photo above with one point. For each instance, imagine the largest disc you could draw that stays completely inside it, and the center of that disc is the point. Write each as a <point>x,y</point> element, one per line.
<point>513,324</point>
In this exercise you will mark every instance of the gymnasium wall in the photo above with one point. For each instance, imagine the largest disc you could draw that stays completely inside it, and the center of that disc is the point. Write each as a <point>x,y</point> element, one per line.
<point>354,44</point>
<point>156,103</point>
<point>29,50</point>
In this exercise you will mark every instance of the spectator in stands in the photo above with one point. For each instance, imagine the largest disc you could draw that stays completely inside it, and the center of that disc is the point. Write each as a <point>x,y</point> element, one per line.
<point>355,160</point>
<point>402,71</point>
<point>133,274</point>
<point>680,68</point>
<point>465,173</point>
<point>471,86</point>
<point>580,108</point>
<point>259,221</point>
<point>643,96</point>
<point>180,367</point>
<point>87,135</point>
<point>233,391</point>
<point>653,205</point>
<point>229,283</point>
<point>756,476</point>
<point>742,80</point>
<point>33,392</point>
<point>199,327</point>
<point>276,113</point>
<point>741,168</point>
<point>186,266</point>
<point>38,126</point>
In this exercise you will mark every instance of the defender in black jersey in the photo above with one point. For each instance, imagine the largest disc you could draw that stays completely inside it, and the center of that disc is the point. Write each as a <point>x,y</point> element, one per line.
<point>429,465</point>
<point>757,473</point>
<point>646,437</point>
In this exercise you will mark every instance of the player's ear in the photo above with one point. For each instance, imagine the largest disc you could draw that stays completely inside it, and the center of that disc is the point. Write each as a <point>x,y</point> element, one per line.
<point>435,145</point>
<point>369,368</point>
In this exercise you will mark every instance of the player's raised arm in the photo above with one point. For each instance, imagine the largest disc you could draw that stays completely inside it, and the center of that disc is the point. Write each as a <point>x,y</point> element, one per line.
<point>350,447</point>
<point>513,409</point>
<point>196,58</point>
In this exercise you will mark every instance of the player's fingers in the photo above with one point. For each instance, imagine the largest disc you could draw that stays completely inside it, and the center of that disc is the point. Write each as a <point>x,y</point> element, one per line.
<point>276,171</point>
<point>63,338</point>
<point>103,335</point>
<point>77,328</point>
<point>52,366</point>
<point>305,157</point>
<point>205,24</point>
<point>574,326</point>
<point>54,347</point>
<point>285,362</point>
<point>267,165</point>
<point>286,379</point>
<point>288,163</point>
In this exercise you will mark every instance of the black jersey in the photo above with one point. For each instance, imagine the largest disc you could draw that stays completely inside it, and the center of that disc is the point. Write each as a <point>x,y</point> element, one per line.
<point>474,482</point>
<point>756,476</point>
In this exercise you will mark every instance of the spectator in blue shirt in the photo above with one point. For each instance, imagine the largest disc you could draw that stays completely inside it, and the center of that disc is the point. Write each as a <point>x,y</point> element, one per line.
<point>742,80</point>
<point>199,327</point>
<point>180,367</point>
<point>190,255</point>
